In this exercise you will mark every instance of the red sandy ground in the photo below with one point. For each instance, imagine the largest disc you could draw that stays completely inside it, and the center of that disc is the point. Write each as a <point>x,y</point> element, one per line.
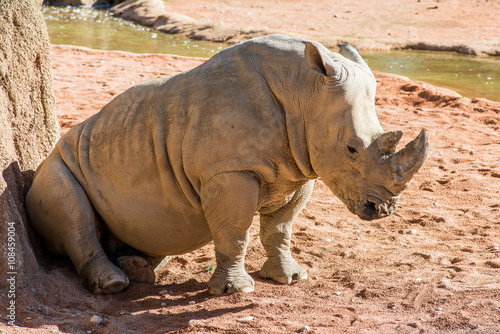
<point>361,19</point>
<point>431,267</point>
<point>368,24</point>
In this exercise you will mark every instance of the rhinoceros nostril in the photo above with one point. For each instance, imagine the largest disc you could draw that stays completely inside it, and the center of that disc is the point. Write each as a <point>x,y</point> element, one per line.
<point>370,208</point>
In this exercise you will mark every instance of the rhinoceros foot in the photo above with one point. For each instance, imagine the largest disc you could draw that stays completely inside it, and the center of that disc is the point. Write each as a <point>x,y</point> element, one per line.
<point>136,268</point>
<point>282,271</point>
<point>223,282</point>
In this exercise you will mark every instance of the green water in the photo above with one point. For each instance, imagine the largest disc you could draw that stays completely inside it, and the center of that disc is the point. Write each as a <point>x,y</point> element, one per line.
<point>470,76</point>
<point>97,29</point>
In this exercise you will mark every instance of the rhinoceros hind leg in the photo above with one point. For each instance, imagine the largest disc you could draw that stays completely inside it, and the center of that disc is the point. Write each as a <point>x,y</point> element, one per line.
<point>137,268</point>
<point>136,265</point>
<point>275,234</point>
<point>61,212</point>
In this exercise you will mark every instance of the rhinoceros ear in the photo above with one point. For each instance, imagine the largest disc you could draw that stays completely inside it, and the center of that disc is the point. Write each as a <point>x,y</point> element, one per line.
<point>320,62</point>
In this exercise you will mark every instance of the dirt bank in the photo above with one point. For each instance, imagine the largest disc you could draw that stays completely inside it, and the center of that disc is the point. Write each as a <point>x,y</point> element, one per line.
<point>432,267</point>
<point>470,27</point>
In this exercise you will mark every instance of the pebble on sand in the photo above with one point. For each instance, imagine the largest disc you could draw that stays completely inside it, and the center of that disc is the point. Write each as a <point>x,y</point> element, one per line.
<point>96,320</point>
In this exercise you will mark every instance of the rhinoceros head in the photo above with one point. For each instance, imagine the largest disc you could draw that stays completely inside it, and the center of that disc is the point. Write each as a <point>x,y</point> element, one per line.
<point>347,147</point>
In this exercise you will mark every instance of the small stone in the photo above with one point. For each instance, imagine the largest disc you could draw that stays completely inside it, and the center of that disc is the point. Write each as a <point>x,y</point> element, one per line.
<point>418,280</point>
<point>318,293</point>
<point>163,292</point>
<point>195,322</point>
<point>444,262</point>
<point>494,249</point>
<point>123,312</point>
<point>338,293</point>
<point>304,329</point>
<point>33,290</point>
<point>29,318</point>
<point>163,304</point>
<point>75,315</point>
<point>89,332</point>
<point>326,239</point>
<point>96,320</point>
<point>29,308</point>
<point>412,231</point>
<point>438,309</point>
<point>443,284</point>
<point>192,302</point>
<point>246,319</point>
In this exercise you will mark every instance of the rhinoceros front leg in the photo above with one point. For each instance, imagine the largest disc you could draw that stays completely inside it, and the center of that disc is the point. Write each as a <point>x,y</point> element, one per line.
<point>230,201</point>
<point>275,235</point>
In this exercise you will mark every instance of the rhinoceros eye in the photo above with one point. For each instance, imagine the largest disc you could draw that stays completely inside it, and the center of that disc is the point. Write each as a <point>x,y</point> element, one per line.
<point>352,149</point>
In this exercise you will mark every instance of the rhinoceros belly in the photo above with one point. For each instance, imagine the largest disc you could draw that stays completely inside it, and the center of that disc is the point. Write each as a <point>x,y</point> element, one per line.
<point>155,227</point>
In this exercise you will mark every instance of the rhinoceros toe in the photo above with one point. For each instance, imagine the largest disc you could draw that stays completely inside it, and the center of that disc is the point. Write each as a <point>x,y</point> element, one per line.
<point>219,284</point>
<point>137,269</point>
<point>108,283</point>
<point>282,271</point>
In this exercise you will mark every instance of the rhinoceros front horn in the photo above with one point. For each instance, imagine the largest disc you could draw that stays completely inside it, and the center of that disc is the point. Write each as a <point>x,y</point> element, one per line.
<point>409,160</point>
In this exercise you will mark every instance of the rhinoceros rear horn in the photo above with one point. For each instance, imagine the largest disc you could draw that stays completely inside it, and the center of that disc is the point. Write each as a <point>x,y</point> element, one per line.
<point>411,158</point>
<point>388,141</point>
<point>319,61</point>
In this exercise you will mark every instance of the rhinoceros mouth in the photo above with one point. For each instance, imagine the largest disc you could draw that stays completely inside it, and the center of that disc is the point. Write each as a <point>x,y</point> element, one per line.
<point>375,208</point>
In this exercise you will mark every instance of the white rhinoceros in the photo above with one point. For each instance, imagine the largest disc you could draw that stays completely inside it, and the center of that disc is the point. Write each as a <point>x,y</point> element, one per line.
<point>176,162</point>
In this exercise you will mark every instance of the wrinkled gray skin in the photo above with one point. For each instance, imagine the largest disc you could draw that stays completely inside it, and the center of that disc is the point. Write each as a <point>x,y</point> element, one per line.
<point>176,162</point>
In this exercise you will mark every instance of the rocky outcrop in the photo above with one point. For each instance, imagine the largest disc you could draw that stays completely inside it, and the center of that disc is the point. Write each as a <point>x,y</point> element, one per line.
<point>84,2</point>
<point>151,13</point>
<point>28,124</point>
